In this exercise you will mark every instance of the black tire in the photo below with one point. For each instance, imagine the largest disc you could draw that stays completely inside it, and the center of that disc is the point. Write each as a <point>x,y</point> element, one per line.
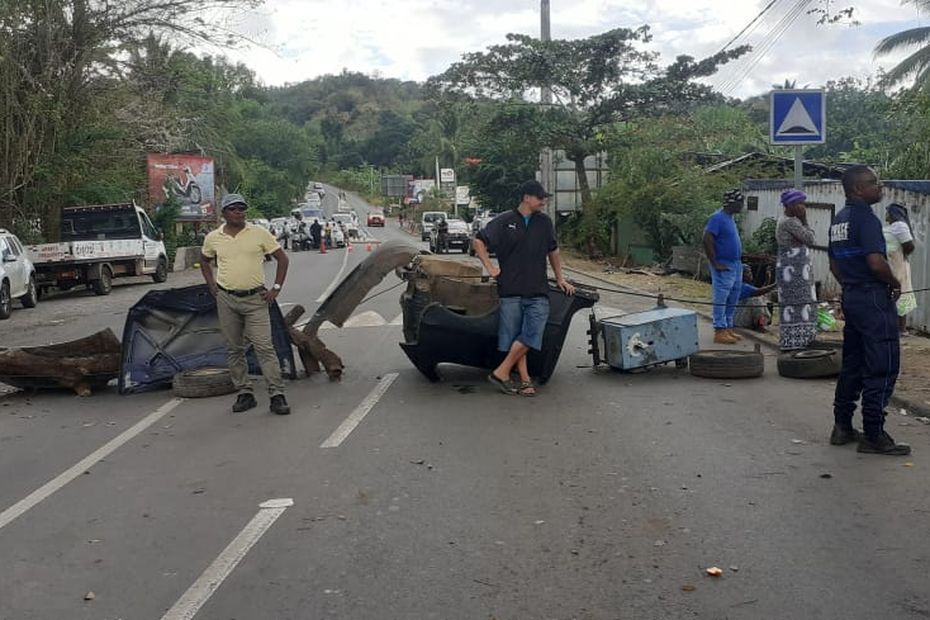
<point>161,272</point>
<point>727,364</point>
<point>202,383</point>
<point>31,298</point>
<point>104,285</point>
<point>6,301</point>
<point>818,361</point>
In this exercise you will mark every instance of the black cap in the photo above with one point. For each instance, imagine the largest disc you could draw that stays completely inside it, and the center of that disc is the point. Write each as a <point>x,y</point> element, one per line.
<point>533,188</point>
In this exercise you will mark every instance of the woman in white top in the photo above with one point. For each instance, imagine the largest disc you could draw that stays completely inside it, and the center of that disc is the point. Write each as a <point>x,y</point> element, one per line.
<point>900,243</point>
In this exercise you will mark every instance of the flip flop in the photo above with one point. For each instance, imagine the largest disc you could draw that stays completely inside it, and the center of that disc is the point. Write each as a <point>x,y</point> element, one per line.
<point>526,385</point>
<point>504,386</point>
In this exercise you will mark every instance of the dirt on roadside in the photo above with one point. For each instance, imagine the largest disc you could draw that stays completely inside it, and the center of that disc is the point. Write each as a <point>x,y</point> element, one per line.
<point>913,382</point>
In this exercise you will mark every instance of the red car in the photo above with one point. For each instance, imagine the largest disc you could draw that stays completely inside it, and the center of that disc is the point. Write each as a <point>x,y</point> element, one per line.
<point>376,218</point>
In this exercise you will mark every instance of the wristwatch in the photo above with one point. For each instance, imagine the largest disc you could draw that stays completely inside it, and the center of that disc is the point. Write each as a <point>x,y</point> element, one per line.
<point>276,287</point>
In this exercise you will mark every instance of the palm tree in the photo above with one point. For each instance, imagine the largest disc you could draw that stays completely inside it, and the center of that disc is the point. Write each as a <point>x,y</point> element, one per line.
<point>917,65</point>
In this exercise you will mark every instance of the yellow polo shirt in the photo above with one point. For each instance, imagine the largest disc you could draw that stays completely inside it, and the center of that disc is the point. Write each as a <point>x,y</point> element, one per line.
<point>240,260</point>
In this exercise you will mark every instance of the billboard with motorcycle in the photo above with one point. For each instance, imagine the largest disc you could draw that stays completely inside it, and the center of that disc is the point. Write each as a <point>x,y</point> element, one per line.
<point>189,178</point>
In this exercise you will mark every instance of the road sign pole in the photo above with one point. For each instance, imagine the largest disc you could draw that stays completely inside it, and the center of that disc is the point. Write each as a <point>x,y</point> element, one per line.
<point>798,167</point>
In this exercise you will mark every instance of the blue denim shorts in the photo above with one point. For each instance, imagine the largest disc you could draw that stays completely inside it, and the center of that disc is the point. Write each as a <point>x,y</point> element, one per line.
<point>523,319</point>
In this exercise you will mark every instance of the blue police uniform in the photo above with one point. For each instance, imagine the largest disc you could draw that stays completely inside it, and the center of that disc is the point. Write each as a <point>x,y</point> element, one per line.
<point>871,349</point>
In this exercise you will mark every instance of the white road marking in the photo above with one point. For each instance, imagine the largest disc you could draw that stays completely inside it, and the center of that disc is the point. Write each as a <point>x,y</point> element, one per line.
<point>369,318</point>
<point>211,579</point>
<point>349,424</point>
<point>332,286</point>
<point>56,483</point>
<point>398,320</point>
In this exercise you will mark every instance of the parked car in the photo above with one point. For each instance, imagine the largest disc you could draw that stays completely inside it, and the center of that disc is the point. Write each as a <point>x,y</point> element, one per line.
<point>376,218</point>
<point>17,275</point>
<point>349,224</point>
<point>426,223</point>
<point>477,224</point>
<point>457,237</point>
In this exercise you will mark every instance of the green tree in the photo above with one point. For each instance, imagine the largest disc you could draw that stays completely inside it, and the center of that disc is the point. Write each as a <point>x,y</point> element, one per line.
<point>916,66</point>
<point>595,82</point>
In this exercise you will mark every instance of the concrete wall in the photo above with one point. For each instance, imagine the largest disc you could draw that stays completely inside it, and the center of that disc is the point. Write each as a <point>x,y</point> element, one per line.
<point>826,198</point>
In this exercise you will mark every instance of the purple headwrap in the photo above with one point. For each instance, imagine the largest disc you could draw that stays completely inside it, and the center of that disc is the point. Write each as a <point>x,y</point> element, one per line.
<point>792,196</point>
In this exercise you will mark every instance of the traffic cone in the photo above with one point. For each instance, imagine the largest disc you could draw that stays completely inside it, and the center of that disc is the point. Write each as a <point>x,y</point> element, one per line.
<point>368,247</point>
<point>322,246</point>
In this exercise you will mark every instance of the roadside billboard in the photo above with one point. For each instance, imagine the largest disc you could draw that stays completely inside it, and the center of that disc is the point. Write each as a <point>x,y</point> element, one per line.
<point>189,178</point>
<point>418,189</point>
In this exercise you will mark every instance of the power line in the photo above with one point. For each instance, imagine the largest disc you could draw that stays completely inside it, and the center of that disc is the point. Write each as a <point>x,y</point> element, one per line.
<point>734,68</point>
<point>768,41</point>
<point>740,70</point>
<point>796,13</point>
<point>755,20</point>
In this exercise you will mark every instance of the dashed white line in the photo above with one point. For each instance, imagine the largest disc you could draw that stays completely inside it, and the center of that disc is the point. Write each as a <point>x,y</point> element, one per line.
<point>211,579</point>
<point>349,424</point>
<point>56,483</point>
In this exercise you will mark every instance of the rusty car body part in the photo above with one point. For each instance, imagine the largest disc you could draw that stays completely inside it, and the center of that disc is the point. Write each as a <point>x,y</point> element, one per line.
<point>342,302</point>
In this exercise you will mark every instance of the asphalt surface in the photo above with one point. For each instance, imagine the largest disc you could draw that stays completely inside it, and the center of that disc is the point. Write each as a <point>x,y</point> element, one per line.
<point>605,497</point>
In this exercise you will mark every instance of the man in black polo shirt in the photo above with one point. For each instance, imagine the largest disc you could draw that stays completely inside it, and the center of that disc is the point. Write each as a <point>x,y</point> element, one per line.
<point>522,239</point>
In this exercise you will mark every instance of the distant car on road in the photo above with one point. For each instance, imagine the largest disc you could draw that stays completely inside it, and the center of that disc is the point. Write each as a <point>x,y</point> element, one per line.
<point>477,224</point>
<point>319,189</point>
<point>426,223</point>
<point>17,275</point>
<point>348,223</point>
<point>376,218</point>
<point>457,237</point>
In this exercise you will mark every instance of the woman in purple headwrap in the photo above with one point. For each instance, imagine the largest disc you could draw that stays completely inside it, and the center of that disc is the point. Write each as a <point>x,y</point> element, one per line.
<point>797,296</point>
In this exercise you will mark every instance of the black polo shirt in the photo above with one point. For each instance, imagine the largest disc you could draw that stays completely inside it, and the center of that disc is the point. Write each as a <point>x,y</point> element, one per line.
<point>854,234</point>
<point>521,250</point>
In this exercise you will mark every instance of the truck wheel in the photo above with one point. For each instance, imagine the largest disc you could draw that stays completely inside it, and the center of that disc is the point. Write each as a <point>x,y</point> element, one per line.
<point>104,285</point>
<point>161,272</point>
<point>726,364</point>
<point>6,301</point>
<point>202,383</point>
<point>31,298</point>
<point>818,361</point>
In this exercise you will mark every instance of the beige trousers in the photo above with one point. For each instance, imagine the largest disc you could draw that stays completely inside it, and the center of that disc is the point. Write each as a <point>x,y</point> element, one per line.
<point>244,321</point>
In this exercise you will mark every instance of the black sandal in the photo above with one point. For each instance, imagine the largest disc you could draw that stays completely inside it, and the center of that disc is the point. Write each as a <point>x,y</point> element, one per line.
<point>504,386</point>
<point>524,386</point>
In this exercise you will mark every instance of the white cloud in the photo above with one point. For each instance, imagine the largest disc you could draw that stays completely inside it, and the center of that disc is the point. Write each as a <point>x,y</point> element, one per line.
<point>413,39</point>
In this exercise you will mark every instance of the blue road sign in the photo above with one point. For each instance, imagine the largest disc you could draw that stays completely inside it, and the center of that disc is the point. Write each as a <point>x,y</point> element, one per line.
<point>798,117</point>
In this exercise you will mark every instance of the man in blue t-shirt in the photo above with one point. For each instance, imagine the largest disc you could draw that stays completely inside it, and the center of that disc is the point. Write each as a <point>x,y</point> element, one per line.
<point>724,252</point>
<point>871,350</point>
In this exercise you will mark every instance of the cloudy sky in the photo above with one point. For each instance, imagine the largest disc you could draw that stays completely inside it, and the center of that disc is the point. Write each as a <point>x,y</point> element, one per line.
<point>413,39</point>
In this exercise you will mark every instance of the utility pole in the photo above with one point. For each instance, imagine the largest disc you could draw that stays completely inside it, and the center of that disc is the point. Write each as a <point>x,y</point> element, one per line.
<point>545,98</point>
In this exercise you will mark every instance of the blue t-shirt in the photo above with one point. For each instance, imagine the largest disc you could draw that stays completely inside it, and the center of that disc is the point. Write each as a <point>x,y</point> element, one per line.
<point>854,234</point>
<point>727,244</point>
<point>747,290</point>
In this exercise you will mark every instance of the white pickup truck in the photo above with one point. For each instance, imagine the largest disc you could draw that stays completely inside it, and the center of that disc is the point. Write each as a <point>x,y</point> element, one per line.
<point>99,243</point>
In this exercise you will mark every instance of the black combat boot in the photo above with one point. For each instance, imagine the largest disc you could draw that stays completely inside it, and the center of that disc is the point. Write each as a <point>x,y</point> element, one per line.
<point>882,444</point>
<point>245,402</point>
<point>279,405</point>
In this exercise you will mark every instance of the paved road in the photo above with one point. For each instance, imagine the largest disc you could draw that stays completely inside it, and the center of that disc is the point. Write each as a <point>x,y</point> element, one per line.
<point>606,497</point>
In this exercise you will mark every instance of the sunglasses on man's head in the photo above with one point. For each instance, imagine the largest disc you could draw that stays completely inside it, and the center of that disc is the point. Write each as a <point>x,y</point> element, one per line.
<point>239,208</point>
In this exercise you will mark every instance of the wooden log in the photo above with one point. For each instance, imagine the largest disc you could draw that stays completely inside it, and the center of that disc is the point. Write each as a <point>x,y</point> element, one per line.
<point>312,345</point>
<point>79,365</point>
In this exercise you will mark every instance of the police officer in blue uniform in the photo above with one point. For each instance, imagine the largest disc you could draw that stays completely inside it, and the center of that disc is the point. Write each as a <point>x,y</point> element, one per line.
<point>871,353</point>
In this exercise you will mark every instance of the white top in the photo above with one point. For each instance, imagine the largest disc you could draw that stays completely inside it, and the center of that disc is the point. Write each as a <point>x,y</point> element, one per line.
<point>901,231</point>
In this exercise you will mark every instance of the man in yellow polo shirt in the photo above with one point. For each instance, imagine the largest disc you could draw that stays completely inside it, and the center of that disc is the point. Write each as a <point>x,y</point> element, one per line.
<point>242,299</point>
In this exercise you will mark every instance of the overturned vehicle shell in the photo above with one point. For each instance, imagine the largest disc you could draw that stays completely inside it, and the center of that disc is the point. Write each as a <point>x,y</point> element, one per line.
<point>171,330</point>
<point>451,313</point>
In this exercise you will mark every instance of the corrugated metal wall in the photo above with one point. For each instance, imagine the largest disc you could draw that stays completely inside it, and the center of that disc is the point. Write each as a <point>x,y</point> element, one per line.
<point>827,198</point>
